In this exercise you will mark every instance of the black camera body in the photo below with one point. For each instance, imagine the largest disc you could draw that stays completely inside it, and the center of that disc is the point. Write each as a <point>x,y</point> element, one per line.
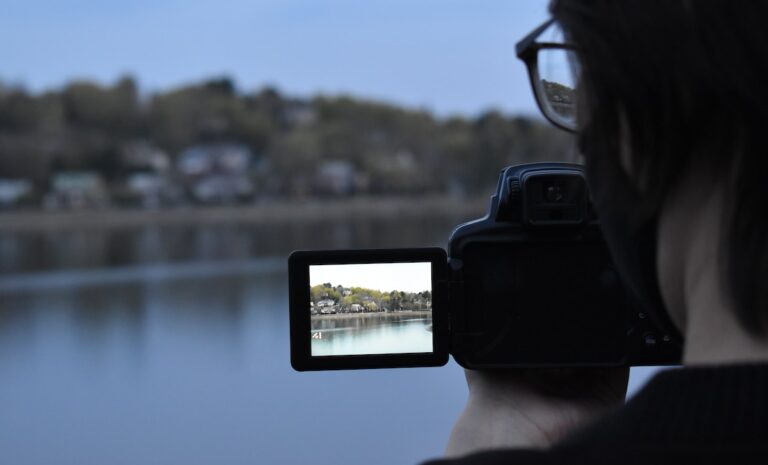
<point>531,284</point>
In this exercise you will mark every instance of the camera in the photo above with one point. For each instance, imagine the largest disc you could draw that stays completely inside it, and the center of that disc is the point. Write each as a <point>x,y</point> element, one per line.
<point>531,284</point>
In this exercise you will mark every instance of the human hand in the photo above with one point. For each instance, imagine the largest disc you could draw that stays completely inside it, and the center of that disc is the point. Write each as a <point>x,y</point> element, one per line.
<point>533,408</point>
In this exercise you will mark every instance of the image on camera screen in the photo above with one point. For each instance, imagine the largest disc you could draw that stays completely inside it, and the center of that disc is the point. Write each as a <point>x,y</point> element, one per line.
<point>370,308</point>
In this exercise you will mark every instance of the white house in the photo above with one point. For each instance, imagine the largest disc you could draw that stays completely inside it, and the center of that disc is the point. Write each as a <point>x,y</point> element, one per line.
<point>217,173</point>
<point>77,189</point>
<point>12,191</point>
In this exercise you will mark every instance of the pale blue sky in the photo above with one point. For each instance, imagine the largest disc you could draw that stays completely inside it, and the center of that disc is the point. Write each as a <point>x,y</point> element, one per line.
<point>451,56</point>
<point>385,277</point>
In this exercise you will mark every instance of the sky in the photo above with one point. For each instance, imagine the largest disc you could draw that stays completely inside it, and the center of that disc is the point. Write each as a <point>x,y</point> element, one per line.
<point>448,56</point>
<point>385,277</point>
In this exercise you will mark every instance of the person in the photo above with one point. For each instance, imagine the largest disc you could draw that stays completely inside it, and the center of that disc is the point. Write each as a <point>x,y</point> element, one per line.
<point>668,100</point>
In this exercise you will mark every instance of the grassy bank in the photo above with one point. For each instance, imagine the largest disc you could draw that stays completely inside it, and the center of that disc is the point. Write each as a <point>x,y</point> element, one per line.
<point>272,212</point>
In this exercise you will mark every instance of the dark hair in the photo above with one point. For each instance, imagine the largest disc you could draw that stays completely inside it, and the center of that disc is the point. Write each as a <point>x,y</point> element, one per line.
<point>684,83</point>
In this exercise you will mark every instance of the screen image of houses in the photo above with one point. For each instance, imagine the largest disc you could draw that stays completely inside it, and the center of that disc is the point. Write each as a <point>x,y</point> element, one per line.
<point>370,308</point>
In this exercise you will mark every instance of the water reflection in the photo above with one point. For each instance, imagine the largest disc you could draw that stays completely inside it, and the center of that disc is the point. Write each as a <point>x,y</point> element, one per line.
<point>371,333</point>
<point>195,370</point>
<point>44,250</point>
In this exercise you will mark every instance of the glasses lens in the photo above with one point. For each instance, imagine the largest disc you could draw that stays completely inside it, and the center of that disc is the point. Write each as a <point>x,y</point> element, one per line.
<point>557,80</point>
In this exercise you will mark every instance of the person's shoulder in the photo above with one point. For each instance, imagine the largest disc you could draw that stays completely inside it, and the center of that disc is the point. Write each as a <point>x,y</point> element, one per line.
<point>498,457</point>
<point>556,455</point>
<point>610,455</point>
<point>691,415</point>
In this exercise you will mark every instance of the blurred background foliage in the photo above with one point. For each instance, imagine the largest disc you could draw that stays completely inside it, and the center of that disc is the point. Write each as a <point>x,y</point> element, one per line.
<point>288,147</point>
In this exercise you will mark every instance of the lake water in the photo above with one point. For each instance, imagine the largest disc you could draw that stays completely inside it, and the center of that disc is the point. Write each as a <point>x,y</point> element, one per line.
<point>170,346</point>
<point>370,334</point>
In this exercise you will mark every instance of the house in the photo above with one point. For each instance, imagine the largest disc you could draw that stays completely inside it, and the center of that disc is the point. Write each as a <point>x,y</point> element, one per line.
<point>217,173</point>
<point>194,161</point>
<point>335,178</point>
<point>14,191</point>
<point>144,156</point>
<point>356,308</point>
<point>150,189</point>
<point>207,158</point>
<point>221,188</point>
<point>77,189</point>
<point>326,306</point>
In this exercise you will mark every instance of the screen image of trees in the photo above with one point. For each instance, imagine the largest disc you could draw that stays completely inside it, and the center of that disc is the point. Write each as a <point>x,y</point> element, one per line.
<point>329,299</point>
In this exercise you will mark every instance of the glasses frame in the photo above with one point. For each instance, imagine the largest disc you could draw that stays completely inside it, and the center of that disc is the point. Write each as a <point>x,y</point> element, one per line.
<point>528,51</point>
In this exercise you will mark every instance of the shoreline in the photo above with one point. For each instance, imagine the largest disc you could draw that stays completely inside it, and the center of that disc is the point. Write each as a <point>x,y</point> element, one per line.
<point>283,211</point>
<point>338,316</point>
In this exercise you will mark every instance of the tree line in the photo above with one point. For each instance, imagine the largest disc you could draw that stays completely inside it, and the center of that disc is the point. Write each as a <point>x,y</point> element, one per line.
<point>340,299</point>
<point>383,148</point>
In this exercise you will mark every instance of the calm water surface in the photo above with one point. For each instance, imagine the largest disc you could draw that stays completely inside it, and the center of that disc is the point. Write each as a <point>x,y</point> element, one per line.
<point>171,347</point>
<point>370,334</point>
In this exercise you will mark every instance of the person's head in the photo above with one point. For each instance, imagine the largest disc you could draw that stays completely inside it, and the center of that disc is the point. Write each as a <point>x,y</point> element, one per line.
<point>674,90</point>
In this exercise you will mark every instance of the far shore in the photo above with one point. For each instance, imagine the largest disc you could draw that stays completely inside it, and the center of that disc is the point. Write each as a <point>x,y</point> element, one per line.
<point>337,316</point>
<point>283,211</point>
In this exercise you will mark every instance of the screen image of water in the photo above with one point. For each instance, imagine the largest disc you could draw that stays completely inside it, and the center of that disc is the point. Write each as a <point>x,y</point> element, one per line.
<point>371,334</point>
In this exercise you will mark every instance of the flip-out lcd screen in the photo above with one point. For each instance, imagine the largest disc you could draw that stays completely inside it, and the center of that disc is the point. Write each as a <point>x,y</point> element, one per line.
<point>370,308</point>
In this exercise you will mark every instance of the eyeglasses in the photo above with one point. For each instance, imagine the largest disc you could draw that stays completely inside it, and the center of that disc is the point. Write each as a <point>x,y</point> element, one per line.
<point>553,69</point>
